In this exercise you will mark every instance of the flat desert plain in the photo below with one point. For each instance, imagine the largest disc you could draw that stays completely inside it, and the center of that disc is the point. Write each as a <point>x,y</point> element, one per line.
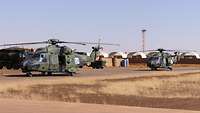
<point>102,91</point>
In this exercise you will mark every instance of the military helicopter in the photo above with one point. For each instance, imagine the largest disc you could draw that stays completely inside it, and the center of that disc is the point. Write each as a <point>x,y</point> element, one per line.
<point>52,58</point>
<point>93,60</point>
<point>161,58</point>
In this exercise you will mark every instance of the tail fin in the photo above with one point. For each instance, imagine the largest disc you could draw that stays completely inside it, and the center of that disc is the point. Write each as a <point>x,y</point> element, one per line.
<point>95,53</point>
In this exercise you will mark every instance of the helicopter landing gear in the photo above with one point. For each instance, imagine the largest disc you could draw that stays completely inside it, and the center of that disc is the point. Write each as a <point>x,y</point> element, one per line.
<point>69,73</point>
<point>154,69</point>
<point>170,68</point>
<point>43,73</point>
<point>29,74</point>
<point>49,73</point>
<point>97,65</point>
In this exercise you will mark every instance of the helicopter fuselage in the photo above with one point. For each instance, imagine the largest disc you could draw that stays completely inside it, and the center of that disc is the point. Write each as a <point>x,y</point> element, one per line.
<point>91,60</point>
<point>52,59</point>
<point>160,60</point>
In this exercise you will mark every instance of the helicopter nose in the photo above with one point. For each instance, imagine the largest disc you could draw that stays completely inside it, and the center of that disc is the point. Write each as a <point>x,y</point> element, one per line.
<point>30,65</point>
<point>26,63</point>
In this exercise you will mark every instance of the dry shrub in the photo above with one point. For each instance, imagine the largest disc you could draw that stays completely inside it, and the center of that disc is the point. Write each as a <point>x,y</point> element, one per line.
<point>160,87</point>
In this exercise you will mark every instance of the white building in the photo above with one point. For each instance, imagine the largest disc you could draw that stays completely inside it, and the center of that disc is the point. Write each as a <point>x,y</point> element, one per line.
<point>190,55</point>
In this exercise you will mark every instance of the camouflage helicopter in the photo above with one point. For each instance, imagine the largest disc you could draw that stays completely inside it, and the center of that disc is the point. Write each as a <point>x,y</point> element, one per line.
<point>161,58</point>
<point>93,60</point>
<point>52,58</point>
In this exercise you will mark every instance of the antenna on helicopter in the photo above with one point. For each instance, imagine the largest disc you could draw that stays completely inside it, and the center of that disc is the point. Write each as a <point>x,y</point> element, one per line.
<point>99,43</point>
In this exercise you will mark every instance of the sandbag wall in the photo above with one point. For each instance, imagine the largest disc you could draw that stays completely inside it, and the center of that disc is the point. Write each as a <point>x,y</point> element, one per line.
<point>133,61</point>
<point>189,61</point>
<point>113,62</point>
<point>116,62</point>
<point>108,62</point>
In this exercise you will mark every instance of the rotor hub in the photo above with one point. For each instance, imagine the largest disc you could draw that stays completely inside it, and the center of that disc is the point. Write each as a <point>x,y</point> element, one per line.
<point>53,41</point>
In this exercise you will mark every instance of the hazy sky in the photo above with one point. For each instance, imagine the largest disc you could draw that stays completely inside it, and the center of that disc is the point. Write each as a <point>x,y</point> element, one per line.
<point>169,23</point>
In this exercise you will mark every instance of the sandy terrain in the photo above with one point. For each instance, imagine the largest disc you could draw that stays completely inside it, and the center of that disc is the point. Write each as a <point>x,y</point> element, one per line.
<point>177,89</point>
<point>23,106</point>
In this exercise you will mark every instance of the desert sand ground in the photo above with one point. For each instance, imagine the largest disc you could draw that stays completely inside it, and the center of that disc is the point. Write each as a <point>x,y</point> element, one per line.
<point>177,89</point>
<point>24,106</point>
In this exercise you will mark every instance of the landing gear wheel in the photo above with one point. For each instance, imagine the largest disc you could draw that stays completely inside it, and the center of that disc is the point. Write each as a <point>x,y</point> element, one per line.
<point>170,68</point>
<point>97,67</point>
<point>69,73</point>
<point>49,73</point>
<point>154,69</point>
<point>43,73</point>
<point>29,74</point>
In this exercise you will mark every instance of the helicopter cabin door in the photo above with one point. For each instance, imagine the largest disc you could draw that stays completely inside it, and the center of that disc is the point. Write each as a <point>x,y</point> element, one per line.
<point>53,62</point>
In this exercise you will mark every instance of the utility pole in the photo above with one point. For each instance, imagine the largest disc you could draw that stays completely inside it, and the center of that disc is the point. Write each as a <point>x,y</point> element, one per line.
<point>143,39</point>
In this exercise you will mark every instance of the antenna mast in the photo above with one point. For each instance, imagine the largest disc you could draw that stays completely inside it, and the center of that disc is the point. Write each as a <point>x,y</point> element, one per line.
<point>143,39</point>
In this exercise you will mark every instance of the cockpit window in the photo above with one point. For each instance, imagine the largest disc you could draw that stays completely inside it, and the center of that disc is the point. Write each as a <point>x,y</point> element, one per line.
<point>43,57</point>
<point>155,58</point>
<point>36,56</point>
<point>40,57</point>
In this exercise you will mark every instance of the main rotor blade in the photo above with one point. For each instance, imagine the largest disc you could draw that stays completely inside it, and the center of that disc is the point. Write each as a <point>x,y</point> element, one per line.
<point>79,43</point>
<point>91,43</point>
<point>44,42</point>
